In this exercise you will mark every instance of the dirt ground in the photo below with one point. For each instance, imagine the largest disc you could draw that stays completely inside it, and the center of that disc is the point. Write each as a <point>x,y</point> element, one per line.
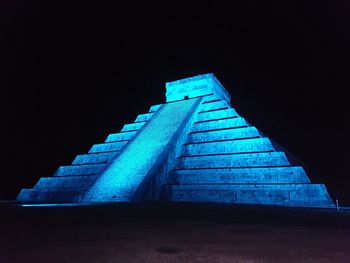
<point>172,234</point>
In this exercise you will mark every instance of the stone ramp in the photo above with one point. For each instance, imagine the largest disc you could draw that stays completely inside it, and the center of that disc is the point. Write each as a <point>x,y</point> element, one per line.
<point>143,156</point>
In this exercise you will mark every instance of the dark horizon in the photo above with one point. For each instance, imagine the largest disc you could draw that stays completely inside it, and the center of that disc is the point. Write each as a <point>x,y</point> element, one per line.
<point>73,73</point>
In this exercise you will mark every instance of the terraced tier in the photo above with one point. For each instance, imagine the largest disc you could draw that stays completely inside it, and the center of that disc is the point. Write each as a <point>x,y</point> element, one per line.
<point>307,195</point>
<point>230,175</point>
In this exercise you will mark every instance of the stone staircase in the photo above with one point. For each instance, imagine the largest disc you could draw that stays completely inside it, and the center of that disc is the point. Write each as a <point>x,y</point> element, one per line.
<point>69,183</point>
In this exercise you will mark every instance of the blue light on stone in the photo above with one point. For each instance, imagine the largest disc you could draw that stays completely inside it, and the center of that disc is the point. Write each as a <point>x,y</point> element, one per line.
<point>193,148</point>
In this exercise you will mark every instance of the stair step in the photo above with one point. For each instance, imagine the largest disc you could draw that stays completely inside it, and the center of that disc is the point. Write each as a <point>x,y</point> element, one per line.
<point>94,158</point>
<point>60,195</point>
<point>228,134</point>
<point>213,104</point>
<point>155,108</point>
<point>216,114</point>
<point>267,194</point>
<point>86,169</point>
<point>121,136</point>
<point>132,126</point>
<point>107,147</point>
<point>66,181</point>
<point>144,117</point>
<point>210,99</point>
<point>229,146</point>
<point>234,160</point>
<point>292,174</point>
<point>219,124</point>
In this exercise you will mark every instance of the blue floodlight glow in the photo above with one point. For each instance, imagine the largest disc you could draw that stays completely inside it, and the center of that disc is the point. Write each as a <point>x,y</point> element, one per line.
<point>193,148</point>
<point>52,205</point>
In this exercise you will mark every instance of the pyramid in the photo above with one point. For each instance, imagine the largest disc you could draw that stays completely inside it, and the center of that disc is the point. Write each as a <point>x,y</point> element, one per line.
<point>193,148</point>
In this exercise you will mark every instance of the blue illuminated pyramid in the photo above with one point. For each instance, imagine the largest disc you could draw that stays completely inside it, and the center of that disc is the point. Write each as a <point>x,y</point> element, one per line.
<point>193,148</point>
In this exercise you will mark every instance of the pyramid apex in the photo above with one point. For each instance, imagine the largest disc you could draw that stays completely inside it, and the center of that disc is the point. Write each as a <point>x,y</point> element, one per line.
<point>196,86</point>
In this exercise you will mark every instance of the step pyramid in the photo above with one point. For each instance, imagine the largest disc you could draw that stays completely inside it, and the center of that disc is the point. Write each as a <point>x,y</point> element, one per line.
<point>193,148</point>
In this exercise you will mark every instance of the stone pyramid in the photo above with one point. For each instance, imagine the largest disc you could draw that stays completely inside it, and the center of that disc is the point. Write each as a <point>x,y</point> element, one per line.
<point>193,148</point>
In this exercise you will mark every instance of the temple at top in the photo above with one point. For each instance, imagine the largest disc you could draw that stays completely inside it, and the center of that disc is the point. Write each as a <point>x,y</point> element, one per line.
<point>193,148</point>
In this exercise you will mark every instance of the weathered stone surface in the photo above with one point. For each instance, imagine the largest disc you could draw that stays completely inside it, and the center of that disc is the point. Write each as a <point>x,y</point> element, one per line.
<point>132,126</point>
<point>107,147</point>
<point>226,134</point>
<point>121,136</point>
<point>273,194</point>
<point>219,124</point>
<point>235,160</point>
<point>216,114</point>
<point>66,181</point>
<point>262,175</point>
<point>144,117</point>
<point>213,104</point>
<point>59,195</point>
<point>85,169</point>
<point>228,146</point>
<point>90,158</point>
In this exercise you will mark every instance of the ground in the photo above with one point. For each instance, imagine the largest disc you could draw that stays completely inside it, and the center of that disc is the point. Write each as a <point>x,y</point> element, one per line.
<point>172,233</point>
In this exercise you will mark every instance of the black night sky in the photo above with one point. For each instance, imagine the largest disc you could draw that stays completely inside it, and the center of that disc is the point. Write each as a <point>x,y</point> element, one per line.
<point>71,73</point>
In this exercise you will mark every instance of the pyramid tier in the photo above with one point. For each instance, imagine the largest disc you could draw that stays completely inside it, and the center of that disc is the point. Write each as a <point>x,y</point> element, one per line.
<point>84,169</point>
<point>212,103</point>
<point>82,181</point>
<point>107,147</point>
<point>262,175</point>
<point>50,195</point>
<point>223,134</point>
<point>308,195</point>
<point>94,158</point>
<point>228,146</point>
<point>231,122</point>
<point>216,114</point>
<point>120,136</point>
<point>144,117</point>
<point>234,160</point>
